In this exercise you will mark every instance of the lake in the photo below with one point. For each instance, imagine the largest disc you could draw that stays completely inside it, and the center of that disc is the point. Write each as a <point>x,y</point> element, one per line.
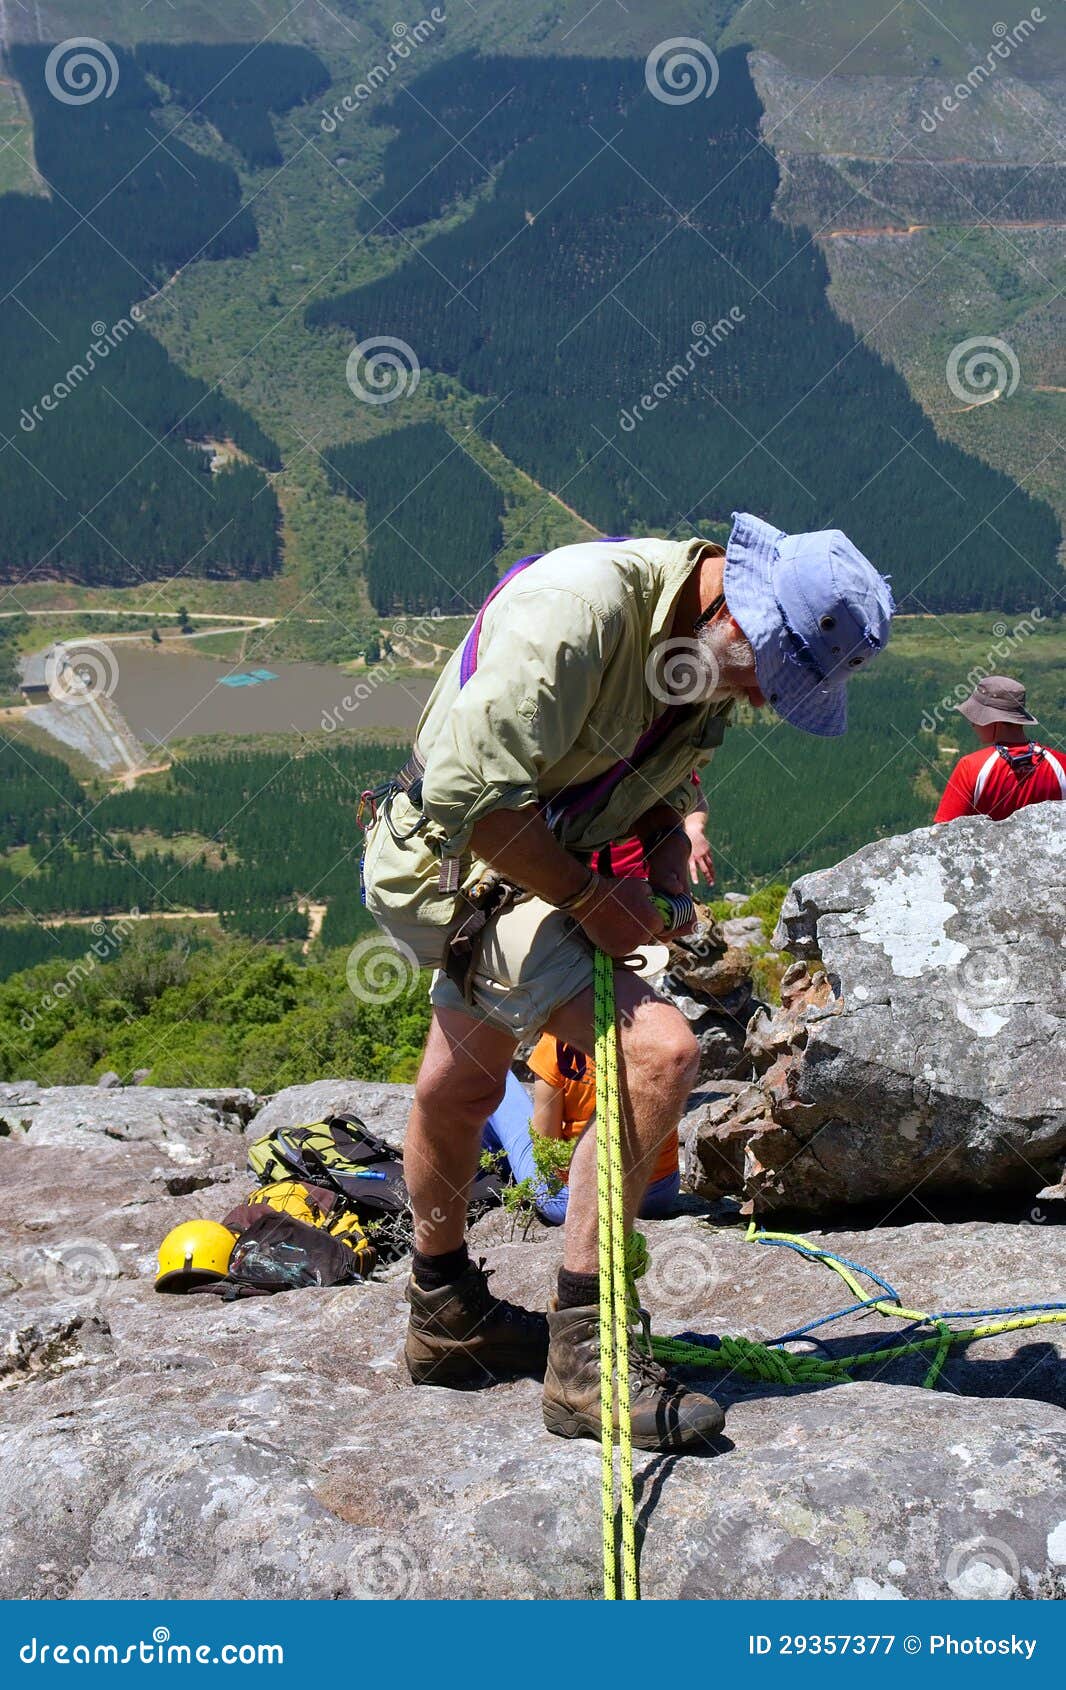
<point>167,695</point>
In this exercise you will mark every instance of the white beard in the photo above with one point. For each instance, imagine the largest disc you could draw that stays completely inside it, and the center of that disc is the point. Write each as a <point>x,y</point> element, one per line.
<point>725,656</point>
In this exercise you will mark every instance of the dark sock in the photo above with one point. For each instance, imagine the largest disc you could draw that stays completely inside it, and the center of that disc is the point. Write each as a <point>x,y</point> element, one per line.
<point>578,1290</point>
<point>431,1272</point>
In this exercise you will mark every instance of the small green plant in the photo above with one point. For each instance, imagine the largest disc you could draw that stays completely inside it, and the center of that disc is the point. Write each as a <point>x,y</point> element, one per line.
<point>518,1200</point>
<point>551,1159</point>
<point>768,965</point>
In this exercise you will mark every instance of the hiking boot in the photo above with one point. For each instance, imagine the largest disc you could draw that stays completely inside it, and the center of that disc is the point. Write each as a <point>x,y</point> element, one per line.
<point>462,1335</point>
<point>666,1415</point>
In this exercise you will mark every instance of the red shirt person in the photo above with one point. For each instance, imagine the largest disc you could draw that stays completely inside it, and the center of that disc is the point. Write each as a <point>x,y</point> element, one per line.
<point>1009,770</point>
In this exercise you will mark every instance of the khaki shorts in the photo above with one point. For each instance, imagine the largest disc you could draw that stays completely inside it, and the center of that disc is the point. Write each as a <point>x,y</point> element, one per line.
<point>533,959</point>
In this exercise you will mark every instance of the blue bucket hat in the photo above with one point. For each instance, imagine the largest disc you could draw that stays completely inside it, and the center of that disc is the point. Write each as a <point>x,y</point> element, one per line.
<point>813,610</point>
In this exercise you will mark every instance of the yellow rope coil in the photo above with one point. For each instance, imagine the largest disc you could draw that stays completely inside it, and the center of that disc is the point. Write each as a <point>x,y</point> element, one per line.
<point>614,1328</point>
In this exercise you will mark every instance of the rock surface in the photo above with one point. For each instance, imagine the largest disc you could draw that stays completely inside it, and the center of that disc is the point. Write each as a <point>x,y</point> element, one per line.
<point>930,1056</point>
<point>383,1108</point>
<point>743,931</point>
<point>709,980</point>
<point>179,1447</point>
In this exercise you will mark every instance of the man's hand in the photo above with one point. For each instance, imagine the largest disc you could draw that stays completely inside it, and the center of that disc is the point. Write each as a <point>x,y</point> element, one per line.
<point>621,916</point>
<point>701,862</point>
<point>668,868</point>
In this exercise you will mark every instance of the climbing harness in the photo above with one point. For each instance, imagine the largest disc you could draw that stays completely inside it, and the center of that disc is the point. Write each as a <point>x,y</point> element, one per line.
<point>623,1260</point>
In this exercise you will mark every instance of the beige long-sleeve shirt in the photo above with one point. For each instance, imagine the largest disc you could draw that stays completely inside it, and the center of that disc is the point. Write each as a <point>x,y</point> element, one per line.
<point>570,674</point>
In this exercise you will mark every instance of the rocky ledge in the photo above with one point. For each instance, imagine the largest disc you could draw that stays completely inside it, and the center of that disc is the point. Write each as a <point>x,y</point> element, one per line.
<point>184,1448</point>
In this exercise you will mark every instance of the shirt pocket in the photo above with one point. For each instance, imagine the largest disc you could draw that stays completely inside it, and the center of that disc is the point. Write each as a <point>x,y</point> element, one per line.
<point>611,732</point>
<point>712,729</point>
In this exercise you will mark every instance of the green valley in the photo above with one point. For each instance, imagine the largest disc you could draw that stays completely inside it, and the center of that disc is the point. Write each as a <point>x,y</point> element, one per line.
<point>616,313</point>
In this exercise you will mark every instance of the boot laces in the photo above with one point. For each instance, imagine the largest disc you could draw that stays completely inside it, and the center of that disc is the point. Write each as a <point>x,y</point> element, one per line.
<point>644,1371</point>
<point>483,1302</point>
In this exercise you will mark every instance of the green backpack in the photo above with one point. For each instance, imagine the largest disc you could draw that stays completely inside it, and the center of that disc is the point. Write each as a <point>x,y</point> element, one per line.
<point>340,1154</point>
<point>345,1156</point>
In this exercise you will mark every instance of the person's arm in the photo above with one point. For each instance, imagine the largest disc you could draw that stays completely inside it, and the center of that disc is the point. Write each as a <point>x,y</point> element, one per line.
<point>701,863</point>
<point>958,795</point>
<point>547,1109</point>
<point>661,830</point>
<point>617,915</point>
<point>672,862</point>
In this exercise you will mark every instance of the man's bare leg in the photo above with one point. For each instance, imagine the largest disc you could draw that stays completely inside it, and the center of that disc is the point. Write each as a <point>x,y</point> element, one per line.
<point>461,1081</point>
<point>659,1059</point>
<point>459,1333</point>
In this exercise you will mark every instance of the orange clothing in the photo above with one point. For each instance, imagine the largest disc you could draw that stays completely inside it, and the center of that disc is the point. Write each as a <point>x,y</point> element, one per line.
<point>573,1073</point>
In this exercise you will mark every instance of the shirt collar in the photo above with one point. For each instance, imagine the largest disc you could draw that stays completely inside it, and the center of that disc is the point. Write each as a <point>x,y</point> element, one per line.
<point>673,572</point>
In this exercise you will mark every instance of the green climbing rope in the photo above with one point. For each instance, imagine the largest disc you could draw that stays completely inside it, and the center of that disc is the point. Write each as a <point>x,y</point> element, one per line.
<point>776,1365</point>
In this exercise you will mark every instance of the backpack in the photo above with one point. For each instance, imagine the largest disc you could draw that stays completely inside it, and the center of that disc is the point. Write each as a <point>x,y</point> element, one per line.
<point>314,1206</point>
<point>277,1252</point>
<point>341,1154</point>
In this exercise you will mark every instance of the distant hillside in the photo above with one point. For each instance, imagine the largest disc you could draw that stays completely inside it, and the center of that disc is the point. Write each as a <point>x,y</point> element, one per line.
<point>110,481</point>
<point>352,26</point>
<point>928,158</point>
<point>847,38</point>
<point>676,358</point>
<point>842,88</point>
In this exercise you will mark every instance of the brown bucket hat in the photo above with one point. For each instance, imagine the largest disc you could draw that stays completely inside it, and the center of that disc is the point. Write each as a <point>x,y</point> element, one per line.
<point>997,699</point>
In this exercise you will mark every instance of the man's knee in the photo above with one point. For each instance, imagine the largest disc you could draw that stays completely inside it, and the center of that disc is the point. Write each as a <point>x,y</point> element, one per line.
<point>453,1088</point>
<point>682,1059</point>
<point>667,1056</point>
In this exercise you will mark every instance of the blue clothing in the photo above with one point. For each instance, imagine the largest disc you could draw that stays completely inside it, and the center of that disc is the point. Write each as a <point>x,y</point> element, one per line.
<point>510,1130</point>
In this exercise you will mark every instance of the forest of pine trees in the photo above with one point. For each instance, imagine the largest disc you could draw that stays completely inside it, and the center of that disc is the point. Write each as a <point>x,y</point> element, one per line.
<point>433,519</point>
<point>236,88</point>
<point>284,828</point>
<point>619,232</point>
<point>109,484</point>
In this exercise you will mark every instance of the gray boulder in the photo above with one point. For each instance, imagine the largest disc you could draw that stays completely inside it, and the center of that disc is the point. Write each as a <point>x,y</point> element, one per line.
<point>384,1108</point>
<point>922,1046</point>
<point>75,1116</point>
<point>743,931</point>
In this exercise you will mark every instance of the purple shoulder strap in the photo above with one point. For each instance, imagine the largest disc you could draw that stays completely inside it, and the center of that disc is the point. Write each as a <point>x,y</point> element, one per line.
<point>572,800</point>
<point>468,664</point>
<point>469,659</point>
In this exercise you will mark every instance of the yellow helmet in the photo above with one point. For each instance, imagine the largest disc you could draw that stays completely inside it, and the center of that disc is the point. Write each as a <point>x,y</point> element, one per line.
<point>194,1253</point>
